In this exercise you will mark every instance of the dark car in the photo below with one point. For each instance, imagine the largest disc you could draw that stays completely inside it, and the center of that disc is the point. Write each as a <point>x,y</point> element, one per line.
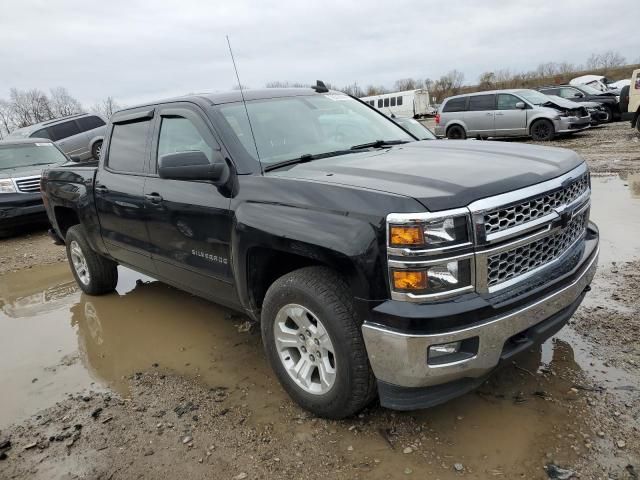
<point>21,165</point>
<point>584,93</point>
<point>377,265</point>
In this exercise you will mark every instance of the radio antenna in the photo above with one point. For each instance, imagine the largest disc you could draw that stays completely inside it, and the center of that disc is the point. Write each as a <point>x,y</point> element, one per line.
<point>244,102</point>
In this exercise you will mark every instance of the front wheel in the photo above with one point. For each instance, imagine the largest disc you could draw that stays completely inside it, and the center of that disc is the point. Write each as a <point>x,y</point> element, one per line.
<point>314,344</point>
<point>95,274</point>
<point>542,131</point>
<point>608,114</point>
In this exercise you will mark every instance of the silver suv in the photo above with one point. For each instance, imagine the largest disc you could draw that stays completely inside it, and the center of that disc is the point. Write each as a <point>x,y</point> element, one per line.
<point>507,113</point>
<point>79,136</point>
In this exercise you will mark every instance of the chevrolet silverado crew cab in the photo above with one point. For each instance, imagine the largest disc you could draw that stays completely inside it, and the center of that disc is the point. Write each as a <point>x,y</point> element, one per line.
<point>377,265</point>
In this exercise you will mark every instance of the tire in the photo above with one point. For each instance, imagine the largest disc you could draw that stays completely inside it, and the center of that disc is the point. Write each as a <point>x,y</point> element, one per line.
<point>542,130</point>
<point>295,300</point>
<point>456,132</point>
<point>95,274</point>
<point>96,149</point>
<point>609,116</point>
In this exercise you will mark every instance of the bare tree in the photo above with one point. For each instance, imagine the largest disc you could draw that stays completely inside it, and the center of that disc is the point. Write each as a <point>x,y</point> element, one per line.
<point>375,90</point>
<point>605,61</point>
<point>286,84</point>
<point>6,118</point>
<point>353,89</point>
<point>62,104</point>
<point>106,107</point>
<point>406,84</point>
<point>29,107</point>
<point>487,81</point>
<point>611,59</point>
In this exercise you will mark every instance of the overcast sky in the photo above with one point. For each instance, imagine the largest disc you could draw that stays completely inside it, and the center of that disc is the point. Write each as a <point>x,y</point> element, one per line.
<point>143,50</point>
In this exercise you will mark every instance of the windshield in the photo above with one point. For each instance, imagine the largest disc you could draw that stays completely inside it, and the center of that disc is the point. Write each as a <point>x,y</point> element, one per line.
<point>15,156</point>
<point>533,97</point>
<point>416,128</point>
<point>287,128</point>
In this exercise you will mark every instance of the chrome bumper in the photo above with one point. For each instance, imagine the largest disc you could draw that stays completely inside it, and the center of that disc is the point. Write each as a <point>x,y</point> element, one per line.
<point>401,359</point>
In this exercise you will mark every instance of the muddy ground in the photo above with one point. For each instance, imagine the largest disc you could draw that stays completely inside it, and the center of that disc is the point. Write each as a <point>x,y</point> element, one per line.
<point>151,382</point>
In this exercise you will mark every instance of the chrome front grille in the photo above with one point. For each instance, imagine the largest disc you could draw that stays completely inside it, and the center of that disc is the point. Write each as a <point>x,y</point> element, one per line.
<point>509,264</point>
<point>28,184</point>
<point>503,218</point>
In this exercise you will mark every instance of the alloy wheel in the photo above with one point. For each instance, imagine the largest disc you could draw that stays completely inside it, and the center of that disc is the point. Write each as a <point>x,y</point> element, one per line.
<point>305,349</point>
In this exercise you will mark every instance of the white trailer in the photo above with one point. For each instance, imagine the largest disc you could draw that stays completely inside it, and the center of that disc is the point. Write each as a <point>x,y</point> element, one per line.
<point>410,103</point>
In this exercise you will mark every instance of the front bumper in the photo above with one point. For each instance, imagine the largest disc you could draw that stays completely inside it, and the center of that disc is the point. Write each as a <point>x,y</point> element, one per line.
<point>572,124</point>
<point>20,209</point>
<point>400,359</point>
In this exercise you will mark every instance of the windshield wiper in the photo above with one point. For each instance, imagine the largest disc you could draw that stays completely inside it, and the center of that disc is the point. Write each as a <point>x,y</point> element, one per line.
<point>378,144</point>
<point>307,157</point>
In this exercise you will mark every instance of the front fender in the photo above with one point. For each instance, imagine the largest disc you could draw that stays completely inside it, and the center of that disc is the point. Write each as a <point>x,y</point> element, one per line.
<point>349,244</point>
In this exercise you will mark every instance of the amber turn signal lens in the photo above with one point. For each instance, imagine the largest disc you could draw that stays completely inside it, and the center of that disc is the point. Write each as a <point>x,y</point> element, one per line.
<point>406,236</point>
<point>409,280</point>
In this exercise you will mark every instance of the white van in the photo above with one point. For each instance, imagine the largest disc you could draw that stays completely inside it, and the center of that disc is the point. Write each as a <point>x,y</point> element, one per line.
<point>409,103</point>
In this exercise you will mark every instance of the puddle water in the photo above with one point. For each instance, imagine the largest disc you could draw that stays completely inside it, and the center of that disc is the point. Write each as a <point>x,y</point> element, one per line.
<point>615,208</point>
<point>56,340</point>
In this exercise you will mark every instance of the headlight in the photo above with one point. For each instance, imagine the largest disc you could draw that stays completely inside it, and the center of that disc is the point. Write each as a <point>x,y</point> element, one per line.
<point>430,255</point>
<point>429,233</point>
<point>7,186</point>
<point>439,278</point>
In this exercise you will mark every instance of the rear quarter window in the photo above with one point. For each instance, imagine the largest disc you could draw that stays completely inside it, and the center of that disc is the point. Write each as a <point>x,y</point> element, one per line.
<point>455,105</point>
<point>64,130</point>
<point>128,146</point>
<point>89,123</point>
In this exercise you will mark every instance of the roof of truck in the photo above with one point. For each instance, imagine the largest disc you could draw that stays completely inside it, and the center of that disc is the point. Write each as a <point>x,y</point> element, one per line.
<point>235,96</point>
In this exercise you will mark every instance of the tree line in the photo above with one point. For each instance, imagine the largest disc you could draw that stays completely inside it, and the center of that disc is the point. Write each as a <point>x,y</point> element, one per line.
<point>453,82</point>
<point>27,107</point>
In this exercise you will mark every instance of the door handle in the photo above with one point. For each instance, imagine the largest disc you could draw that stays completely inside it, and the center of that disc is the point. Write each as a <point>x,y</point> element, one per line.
<point>490,113</point>
<point>101,189</point>
<point>499,114</point>
<point>153,197</point>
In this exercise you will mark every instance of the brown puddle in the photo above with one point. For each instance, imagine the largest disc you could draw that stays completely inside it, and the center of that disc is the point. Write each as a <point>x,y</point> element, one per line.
<point>56,340</point>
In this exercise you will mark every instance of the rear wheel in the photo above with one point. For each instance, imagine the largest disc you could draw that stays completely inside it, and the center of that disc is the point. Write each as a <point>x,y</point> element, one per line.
<point>96,150</point>
<point>542,130</point>
<point>313,342</point>
<point>95,274</point>
<point>456,132</point>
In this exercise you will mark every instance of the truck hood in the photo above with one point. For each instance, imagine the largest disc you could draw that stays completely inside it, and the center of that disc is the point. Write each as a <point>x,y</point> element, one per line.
<point>26,171</point>
<point>441,174</point>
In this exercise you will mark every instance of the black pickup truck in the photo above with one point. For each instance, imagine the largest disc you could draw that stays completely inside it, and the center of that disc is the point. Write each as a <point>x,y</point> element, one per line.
<point>378,265</point>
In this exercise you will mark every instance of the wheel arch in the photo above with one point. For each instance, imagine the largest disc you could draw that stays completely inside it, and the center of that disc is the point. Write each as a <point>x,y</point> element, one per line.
<point>269,241</point>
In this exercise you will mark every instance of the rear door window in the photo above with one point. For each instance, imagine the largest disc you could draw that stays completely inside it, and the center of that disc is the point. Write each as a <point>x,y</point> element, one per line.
<point>128,146</point>
<point>89,123</point>
<point>455,105</point>
<point>478,103</point>
<point>64,130</point>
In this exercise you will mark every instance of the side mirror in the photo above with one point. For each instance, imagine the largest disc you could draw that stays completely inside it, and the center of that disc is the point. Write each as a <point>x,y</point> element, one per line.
<point>521,106</point>
<point>578,95</point>
<point>75,158</point>
<point>193,165</point>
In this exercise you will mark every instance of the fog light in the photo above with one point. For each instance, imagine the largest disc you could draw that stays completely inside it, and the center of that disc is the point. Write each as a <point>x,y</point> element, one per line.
<point>436,351</point>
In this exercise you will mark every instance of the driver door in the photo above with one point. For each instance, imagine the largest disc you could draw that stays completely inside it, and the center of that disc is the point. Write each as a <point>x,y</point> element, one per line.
<point>189,222</point>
